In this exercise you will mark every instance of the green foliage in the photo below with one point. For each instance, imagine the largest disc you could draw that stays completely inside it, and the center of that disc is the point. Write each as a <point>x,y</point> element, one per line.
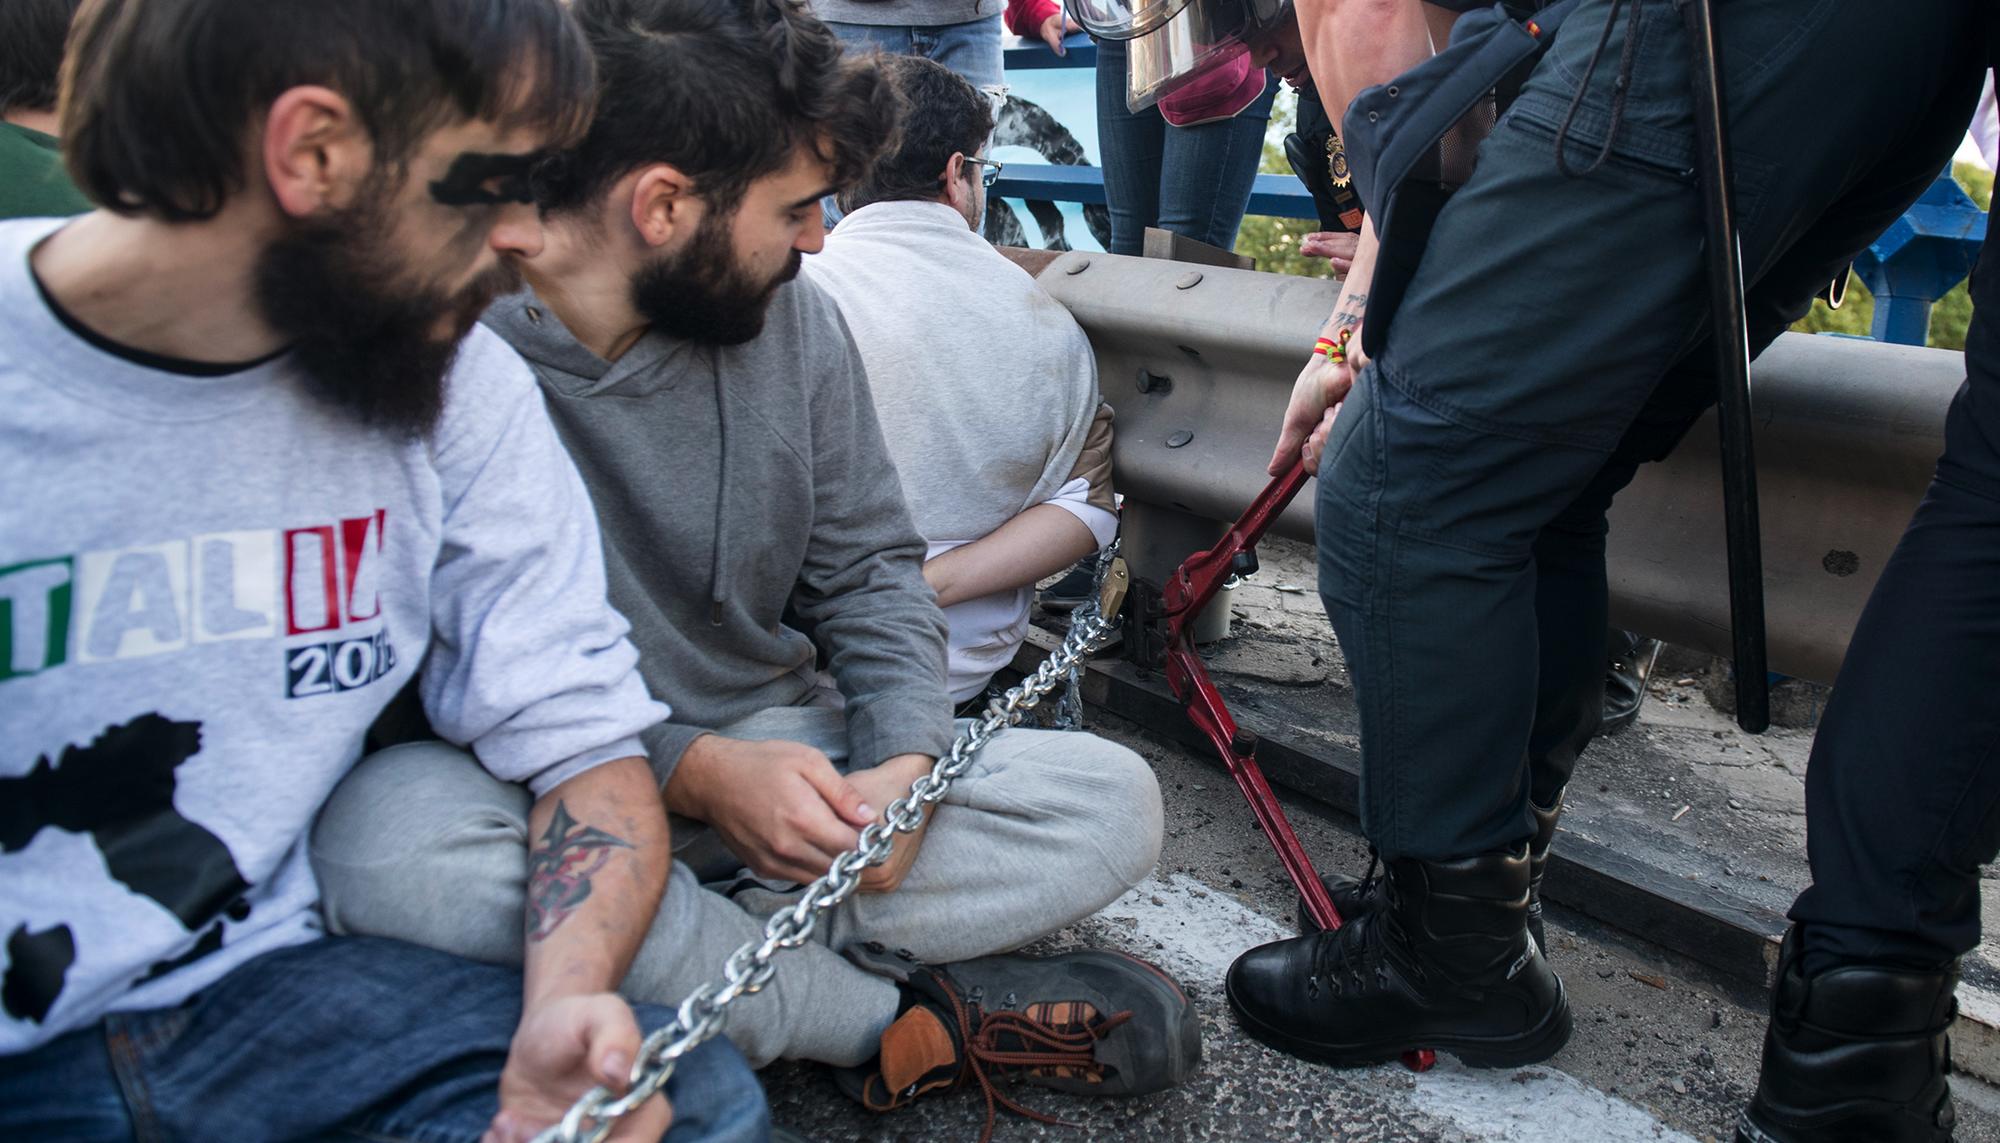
<point>1274,243</point>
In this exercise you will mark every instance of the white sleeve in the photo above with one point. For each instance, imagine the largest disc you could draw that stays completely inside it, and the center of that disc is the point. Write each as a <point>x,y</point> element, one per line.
<point>529,664</point>
<point>1074,498</point>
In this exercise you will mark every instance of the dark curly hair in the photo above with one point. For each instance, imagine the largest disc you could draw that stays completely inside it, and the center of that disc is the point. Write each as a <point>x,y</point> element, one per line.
<point>724,90</point>
<point>158,95</point>
<point>943,115</point>
<point>31,51</point>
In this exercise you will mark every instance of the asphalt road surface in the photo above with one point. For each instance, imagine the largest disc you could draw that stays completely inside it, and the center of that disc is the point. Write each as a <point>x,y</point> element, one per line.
<point>1664,1050</point>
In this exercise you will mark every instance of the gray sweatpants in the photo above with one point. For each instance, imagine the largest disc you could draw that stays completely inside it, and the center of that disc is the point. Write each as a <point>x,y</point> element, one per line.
<point>1046,828</point>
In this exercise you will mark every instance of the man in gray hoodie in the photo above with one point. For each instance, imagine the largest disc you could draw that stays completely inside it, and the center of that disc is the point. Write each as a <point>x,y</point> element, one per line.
<point>721,418</point>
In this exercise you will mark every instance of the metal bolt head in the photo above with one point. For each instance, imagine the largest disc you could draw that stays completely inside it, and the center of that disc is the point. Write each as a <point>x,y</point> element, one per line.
<point>1150,382</point>
<point>1189,280</point>
<point>1179,438</point>
<point>1077,267</point>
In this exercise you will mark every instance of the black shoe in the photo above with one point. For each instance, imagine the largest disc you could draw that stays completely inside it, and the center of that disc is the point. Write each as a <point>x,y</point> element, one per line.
<point>1444,962</point>
<point>1857,1054</point>
<point>1073,590</point>
<point>1629,663</point>
<point>1352,897</point>
<point>1090,1023</point>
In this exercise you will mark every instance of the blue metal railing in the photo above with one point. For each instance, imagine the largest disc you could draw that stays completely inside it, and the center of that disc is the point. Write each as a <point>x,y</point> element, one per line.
<point>1929,250</point>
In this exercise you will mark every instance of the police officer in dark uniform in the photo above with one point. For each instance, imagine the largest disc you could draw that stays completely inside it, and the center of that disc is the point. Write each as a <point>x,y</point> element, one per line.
<point>1552,335</point>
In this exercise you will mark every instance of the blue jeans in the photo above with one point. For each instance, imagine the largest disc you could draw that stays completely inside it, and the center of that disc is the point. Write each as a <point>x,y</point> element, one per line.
<point>1554,337</point>
<point>971,49</point>
<point>345,1037</point>
<point>1194,181</point>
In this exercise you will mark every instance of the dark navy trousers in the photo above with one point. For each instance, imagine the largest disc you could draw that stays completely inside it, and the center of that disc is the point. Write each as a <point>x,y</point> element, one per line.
<point>1903,791</point>
<point>1555,337</point>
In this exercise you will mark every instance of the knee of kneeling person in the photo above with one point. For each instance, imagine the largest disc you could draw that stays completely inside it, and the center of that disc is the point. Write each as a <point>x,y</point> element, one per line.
<point>409,836</point>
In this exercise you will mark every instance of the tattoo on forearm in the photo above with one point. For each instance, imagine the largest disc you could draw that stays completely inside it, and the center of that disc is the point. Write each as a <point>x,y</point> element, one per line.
<point>560,868</point>
<point>1348,316</point>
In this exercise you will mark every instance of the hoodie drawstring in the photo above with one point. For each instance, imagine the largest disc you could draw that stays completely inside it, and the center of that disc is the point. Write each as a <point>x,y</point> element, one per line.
<point>721,495</point>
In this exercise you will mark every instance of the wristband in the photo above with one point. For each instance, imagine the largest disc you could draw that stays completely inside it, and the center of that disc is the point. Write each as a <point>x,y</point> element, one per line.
<point>1335,349</point>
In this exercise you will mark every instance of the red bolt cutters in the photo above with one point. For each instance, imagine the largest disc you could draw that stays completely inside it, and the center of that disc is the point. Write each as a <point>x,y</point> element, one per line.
<point>1165,632</point>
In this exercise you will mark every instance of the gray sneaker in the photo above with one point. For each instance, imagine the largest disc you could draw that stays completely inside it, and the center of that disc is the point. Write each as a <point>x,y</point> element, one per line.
<point>1095,1022</point>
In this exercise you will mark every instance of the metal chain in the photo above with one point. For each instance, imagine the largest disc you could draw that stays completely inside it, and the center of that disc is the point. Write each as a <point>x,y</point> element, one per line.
<point>1069,707</point>
<point>747,970</point>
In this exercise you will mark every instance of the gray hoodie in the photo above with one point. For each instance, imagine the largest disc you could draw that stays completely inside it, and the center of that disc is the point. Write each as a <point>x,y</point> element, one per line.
<point>731,482</point>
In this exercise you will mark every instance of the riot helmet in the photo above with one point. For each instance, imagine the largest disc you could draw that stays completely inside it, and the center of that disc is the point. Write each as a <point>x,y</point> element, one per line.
<point>1172,43</point>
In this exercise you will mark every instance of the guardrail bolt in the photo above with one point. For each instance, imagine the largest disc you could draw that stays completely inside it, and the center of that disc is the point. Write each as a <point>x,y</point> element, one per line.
<point>1189,280</point>
<point>1150,382</point>
<point>1077,267</point>
<point>1179,438</point>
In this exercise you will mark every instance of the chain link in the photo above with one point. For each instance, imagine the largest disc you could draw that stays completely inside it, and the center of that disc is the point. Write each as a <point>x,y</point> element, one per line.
<point>747,970</point>
<point>1069,707</point>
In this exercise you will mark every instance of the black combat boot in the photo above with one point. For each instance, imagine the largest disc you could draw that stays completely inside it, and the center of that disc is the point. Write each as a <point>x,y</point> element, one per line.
<point>1857,1054</point>
<point>1352,897</point>
<point>1444,962</point>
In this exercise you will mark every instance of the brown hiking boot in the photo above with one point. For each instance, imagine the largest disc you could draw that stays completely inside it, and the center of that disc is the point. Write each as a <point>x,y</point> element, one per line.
<point>1091,1023</point>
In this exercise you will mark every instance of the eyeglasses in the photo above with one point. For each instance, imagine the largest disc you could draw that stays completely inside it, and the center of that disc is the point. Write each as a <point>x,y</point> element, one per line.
<point>989,171</point>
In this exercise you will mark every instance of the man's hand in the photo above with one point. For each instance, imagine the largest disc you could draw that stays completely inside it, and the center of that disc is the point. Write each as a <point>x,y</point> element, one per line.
<point>880,786</point>
<point>563,1049</point>
<point>1316,443</point>
<point>780,806</point>
<point>1336,246</point>
<point>1055,28</point>
<point>1321,385</point>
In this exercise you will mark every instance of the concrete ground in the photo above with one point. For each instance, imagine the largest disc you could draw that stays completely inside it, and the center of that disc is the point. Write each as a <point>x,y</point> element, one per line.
<point>1663,1049</point>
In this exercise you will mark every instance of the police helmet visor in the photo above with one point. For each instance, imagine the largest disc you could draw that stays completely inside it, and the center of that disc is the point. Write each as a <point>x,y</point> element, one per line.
<point>1202,36</point>
<point>1123,19</point>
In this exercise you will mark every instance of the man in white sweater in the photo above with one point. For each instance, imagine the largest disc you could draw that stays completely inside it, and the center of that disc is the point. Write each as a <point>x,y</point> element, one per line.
<point>1004,451</point>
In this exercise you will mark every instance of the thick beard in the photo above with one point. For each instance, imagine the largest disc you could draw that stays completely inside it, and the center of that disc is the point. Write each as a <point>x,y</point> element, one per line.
<point>702,294</point>
<point>365,342</point>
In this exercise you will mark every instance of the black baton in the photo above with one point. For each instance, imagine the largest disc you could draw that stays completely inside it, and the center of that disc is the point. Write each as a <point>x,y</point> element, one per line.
<point>1732,374</point>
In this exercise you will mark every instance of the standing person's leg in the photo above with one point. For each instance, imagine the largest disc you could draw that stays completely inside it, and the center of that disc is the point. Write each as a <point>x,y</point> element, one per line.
<point>379,1039</point>
<point>1530,339</point>
<point>1902,808</point>
<point>420,844</point>
<point>1206,173</point>
<point>1571,598</point>
<point>1131,145</point>
<point>971,49</point>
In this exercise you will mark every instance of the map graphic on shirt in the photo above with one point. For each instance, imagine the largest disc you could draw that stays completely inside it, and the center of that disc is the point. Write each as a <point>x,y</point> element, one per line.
<point>119,789</point>
<point>294,586</point>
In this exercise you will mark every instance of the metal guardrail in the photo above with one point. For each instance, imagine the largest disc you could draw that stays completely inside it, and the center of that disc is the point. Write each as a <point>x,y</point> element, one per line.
<point>1282,196</point>
<point>1199,364</point>
<point>1926,253</point>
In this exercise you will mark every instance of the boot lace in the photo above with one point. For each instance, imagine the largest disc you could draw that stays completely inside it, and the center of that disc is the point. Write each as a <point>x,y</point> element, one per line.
<point>1351,957</point>
<point>1014,1041</point>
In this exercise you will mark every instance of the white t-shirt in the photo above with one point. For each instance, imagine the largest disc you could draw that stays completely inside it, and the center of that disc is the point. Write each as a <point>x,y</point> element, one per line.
<point>985,387</point>
<point>209,588</point>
